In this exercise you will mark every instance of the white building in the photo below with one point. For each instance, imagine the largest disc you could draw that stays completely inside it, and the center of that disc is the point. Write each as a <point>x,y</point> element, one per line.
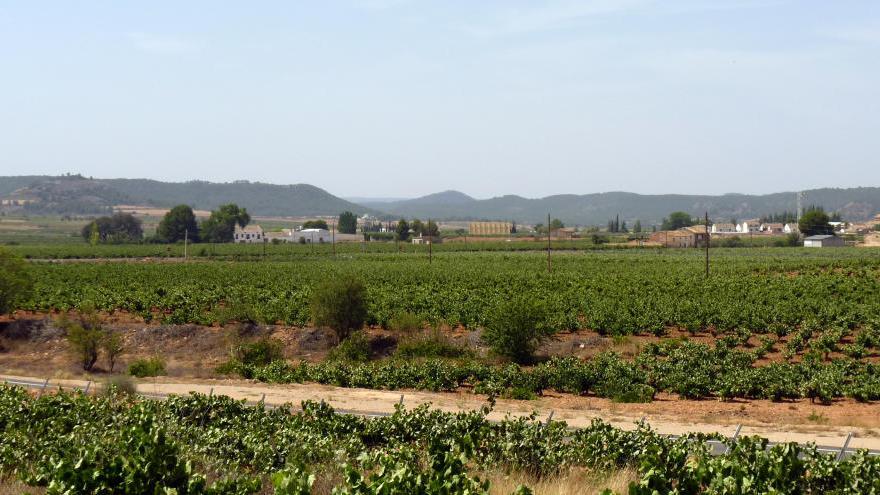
<point>823,241</point>
<point>791,228</point>
<point>312,235</point>
<point>723,228</point>
<point>772,228</point>
<point>249,234</point>
<point>749,227</point>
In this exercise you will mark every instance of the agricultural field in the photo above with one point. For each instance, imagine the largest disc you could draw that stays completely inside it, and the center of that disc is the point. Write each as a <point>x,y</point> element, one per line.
<point>72,443</point>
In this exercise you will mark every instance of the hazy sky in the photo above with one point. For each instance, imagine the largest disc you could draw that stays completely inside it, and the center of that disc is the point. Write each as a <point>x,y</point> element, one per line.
<point>403,98</point>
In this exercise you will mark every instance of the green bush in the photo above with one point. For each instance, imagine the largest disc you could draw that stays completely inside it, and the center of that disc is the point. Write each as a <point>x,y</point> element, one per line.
<point>258,353</point>
<point>341,305</point>
<point>85,343</point>
<point>517,327</point>
<point>405,322</point>
<point>429,344</point>
<point>15,282</point>
<point>355,348</point>
<point>119,385</point>
<point>142,368</point>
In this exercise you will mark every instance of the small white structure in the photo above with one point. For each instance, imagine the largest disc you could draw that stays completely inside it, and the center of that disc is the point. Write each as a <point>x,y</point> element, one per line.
<point>772,228</point>
<point>312,235</point>
<point>823,241</point>
<point>723,228</point>
<point>248,235</point>
<point>791,228</point>
<point>749,227</point>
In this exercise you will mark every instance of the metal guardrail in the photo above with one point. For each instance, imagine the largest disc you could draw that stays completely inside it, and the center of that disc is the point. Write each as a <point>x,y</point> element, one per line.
<point>716,447</point>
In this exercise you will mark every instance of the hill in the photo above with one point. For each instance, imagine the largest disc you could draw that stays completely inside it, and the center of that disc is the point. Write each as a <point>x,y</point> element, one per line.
<point>596,209</point>
<point>78,194</point>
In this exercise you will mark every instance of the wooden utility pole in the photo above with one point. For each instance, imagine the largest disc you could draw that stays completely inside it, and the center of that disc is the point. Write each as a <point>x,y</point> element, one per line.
<point>548,242</point>
<point>185,241</point>
<point>430,241</point>
<point>333,237</point>
<point>707,244</point>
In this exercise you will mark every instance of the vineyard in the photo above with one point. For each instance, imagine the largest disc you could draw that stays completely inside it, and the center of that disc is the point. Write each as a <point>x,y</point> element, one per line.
<point>71,443</point>
<point>773,291</point>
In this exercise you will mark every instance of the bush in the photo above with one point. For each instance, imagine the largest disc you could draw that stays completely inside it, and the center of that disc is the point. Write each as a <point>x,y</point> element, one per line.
<point>405,322</point>
<point>143,368</point>
<point>15,283</point>
<point>341,305</point>
<point>85,343</point>
<point>429,344</point>
<point>259,353</point>
<point>355,348</point>
<point>516,328</point>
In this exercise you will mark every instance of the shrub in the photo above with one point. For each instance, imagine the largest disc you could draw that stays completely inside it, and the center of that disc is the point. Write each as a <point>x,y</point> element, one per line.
<point>355,348</point>
<point>85,343</point>
<point>341,305</point>
<point>519,393</point>
<point>405,322</point>
<point>112,345</point>
<point>143,368</point>
<point>516,328</point>
<point>259,353</point>
<point>429,344</point>
<point>15,283</point>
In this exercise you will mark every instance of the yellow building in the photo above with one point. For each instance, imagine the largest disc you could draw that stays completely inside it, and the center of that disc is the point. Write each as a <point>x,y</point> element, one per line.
<point>490,228</point>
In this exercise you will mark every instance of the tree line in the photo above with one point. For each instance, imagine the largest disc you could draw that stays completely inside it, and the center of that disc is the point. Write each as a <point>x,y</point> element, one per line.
<point>178,224</point>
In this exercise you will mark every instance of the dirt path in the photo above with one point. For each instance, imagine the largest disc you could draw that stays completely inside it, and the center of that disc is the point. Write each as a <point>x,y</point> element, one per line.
<point>365,401</point>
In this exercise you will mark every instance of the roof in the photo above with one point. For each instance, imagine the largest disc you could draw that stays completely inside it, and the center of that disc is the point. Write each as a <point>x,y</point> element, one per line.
<point>774,225</point>
<point>314,230</point>
<point>696,229</point>
<point>719,225</point>
<point>248,229</point>
<point>820,237</point>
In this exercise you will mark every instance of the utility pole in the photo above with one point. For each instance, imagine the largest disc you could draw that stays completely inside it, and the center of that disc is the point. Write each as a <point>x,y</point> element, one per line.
<point>707,244</point>
<point>430,241</point>
<point>548,242</point>
<point>333,237</point>
<point>185,241</point>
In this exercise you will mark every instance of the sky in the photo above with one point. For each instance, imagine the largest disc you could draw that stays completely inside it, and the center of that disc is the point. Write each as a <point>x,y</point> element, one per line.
<point>402,98</point>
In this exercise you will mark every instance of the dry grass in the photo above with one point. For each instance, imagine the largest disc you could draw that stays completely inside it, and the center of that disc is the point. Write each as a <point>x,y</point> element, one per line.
<point>11,486</point>
<point>575,482</point>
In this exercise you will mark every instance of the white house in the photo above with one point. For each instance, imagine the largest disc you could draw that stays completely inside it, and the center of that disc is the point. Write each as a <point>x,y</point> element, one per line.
<point>723,228</point>
<point>791,228</point>
<point>772,228</point>
<point>749,227</point>
<point>312,235</point>
<point>249,234</point>
<point>823,241</point>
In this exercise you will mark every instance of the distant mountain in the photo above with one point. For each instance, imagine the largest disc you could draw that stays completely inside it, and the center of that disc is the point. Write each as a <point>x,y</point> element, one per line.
<point>367,201</point>
<point>77,194</point>
<point>596,209</point>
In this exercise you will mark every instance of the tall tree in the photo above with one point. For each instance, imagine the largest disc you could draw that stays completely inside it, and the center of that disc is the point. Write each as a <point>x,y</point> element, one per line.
<point>15,281</point>
<point>677,220</point>
<point>348,222</point>
<point>402,230</point>
<point>176,223</point>
<point>637,227</point>
<point>556,224</point>
<point>417,227</point>
<point>220,226</point>
<point>316,224</point>
<point>815,222</point>
<point>432,229</point>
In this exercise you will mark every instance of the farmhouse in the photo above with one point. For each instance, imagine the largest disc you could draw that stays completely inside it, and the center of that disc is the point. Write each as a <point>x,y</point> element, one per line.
<point>686,237</point>
<point>823,241</point>
<point>791,228</point>
<point>723,228</point>
<point>248,235</point>
<point>749,227</point>
<point>312,235</point>
<point>427,239</point>
<point>772,228</point>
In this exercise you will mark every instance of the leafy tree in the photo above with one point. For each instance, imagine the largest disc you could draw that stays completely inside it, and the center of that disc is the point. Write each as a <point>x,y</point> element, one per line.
<point>623,227</point>
<point>431,229</point>
<point>677,220</point>
<point>176,223</point>
<point>113,347</point>
<point>556,224</point>
<point>637,227</point>
<point>513,227</point>
<point>402,230</point>
<point>121,227</point>
<point>347,223</point>
<point>517,327</point>
<point>316,224</point>
<point>417,227</point>
<point>15,282</point>
<point>220,226</point>
<point>341,304</point>
<point>815,222</point>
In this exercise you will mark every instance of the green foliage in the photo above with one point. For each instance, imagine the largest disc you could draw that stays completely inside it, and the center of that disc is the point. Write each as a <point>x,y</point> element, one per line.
<point>316,224</point>
<point>178,223</point>
<point>516,328</point>
<point>113,347</point>
<point>355,348</point>
<point>16,284</point>
<point>258,353</point>
<point>220,226</point>
<point>119,228</point>
<point>340,304</point>
<point>85,343</point>
<point>815,222</point>
<point>402,230</point>
<point>119,386</point>
<point>405,322</point>
<point>429,344</point>
<point>142,368</point>
<point>347,223</point>
<point>677,220</point>
<point>556,224</point>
